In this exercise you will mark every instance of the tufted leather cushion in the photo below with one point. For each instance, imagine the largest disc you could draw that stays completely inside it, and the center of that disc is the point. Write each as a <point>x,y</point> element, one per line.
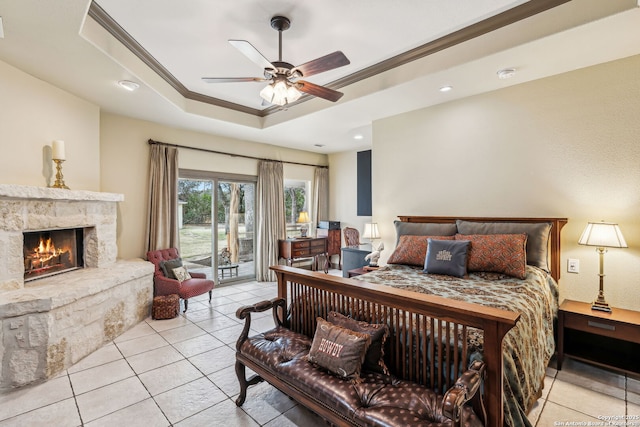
<point>275,347</point>
<point>378,399</point>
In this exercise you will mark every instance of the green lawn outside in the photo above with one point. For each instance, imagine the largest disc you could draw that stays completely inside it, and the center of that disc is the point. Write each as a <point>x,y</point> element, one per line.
<point>195,240</point>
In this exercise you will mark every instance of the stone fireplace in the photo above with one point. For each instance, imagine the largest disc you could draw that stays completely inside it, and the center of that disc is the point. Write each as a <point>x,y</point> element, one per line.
<point>49,252</point>
<point>63,292</point>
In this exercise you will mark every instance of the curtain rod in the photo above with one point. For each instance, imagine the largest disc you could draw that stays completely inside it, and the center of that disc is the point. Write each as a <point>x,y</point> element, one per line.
<point>244,156</point>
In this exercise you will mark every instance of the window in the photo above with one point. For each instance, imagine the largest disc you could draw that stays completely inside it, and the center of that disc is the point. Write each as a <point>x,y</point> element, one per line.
<point>296,200</point>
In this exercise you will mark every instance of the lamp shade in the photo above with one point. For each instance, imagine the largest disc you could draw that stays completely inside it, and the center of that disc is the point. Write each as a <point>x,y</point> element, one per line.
<point>280,92</point>
<point>371,231</point>
<point>603,235</point>
<point>303,217</point>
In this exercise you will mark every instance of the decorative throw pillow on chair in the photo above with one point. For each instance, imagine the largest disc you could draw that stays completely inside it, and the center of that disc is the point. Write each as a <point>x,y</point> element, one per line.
<point>168,266</point>
<point>181,274</point>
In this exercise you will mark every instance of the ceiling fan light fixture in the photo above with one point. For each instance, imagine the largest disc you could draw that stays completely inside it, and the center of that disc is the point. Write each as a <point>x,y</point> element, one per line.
<point>284,87</point>
<point>293,94</point>
<point>280,92</point>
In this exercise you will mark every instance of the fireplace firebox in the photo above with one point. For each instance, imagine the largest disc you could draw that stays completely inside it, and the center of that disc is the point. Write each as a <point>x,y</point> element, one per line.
<point>48,252</point>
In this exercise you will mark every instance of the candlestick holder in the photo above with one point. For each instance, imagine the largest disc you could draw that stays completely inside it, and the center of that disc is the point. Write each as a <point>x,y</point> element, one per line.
<point>59,177</point>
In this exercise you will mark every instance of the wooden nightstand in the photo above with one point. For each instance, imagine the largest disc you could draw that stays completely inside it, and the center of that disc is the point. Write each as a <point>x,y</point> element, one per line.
<point>360,271</point>
<point>610,340</point>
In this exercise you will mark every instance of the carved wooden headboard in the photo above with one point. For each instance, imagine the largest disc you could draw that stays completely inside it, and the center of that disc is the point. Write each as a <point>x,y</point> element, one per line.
<point>556,227</point>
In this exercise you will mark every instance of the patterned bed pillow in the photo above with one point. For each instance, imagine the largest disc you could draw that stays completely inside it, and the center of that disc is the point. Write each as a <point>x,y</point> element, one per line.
<point>447,257</point>
<point>339,350</point>
<point>374,359</point>
<point>500,253</point>
<point>411,250</point>
<point>537,236</point>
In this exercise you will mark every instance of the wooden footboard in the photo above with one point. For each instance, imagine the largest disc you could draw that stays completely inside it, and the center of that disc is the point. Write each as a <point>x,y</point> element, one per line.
<point>431,338</point>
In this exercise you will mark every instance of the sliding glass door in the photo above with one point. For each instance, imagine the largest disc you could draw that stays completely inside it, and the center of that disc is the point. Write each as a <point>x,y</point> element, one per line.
<point>216,218</point>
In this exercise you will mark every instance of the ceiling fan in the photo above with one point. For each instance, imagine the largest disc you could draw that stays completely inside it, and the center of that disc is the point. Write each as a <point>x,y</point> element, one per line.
<point>284,79</point>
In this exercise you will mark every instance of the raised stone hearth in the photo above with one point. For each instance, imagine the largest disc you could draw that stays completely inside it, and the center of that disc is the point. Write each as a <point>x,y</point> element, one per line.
<point>51,323</point>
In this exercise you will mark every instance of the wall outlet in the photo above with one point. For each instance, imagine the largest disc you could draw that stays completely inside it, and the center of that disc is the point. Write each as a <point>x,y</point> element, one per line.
<point>573,265</point>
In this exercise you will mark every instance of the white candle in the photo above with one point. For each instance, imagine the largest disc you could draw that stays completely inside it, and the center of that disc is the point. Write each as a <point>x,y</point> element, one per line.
<point>57,150</point>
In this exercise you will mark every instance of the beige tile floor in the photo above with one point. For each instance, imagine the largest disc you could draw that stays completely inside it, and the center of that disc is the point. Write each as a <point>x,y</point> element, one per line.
<point>180,372</point>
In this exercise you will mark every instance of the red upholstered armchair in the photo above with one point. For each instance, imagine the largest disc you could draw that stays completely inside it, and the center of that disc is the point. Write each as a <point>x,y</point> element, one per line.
<point>163,285</point>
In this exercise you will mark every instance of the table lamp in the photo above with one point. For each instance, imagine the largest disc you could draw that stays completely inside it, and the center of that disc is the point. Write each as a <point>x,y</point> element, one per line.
<point>602,235</point>
<point>303,219</point>
<point>371,231</point>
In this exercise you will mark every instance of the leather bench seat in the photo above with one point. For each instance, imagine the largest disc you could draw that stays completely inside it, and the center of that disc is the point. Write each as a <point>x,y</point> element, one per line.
<point>376,400</point>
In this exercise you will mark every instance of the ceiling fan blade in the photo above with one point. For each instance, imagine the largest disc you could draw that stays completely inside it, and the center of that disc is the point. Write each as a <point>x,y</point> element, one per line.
<point>325,63</point>
<point>319,91</point>
<point>252,53</point>
<point>233,79</point>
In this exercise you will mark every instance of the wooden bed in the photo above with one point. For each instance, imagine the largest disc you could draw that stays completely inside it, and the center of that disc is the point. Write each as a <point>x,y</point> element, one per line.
<point>428,339</point>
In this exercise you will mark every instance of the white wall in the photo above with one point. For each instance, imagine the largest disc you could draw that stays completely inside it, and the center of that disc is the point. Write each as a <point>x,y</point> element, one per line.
<point>32,114</point>
<point>343,191</point>
<point>565,146</point>
<point>125,163</point>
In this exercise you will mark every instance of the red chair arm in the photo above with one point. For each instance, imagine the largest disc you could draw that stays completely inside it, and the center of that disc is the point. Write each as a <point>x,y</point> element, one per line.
<point>198,275</point>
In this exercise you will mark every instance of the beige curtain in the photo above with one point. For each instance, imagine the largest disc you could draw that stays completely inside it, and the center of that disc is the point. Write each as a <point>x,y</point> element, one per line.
<point>321,194</point>
<point>162,206</point>
<point>269,217</point>
<point>233,237</point>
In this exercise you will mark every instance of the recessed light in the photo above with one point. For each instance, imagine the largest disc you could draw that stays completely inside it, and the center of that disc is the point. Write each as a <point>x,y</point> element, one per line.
<point>1,29</point>
<point>128,85</point>
<point>506,73</point>
<point>318,145</point>
<point>446,88</point>
<point>358,136</point>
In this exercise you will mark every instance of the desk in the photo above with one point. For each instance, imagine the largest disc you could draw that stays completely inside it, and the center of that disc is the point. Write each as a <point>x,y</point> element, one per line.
<point>309,247</point>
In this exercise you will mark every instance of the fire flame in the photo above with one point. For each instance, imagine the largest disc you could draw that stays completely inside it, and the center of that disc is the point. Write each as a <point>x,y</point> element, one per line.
<point>45,251</point>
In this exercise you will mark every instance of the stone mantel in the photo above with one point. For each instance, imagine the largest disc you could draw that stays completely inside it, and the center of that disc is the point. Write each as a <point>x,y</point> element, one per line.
<point>26,208</point>
<point>10,191</point>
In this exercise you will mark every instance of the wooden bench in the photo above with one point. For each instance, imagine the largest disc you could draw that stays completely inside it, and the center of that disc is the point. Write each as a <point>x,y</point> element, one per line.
<point>424,345</point>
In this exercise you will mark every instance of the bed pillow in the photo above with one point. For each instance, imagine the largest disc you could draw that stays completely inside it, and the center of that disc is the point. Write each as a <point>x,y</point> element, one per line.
<point>374,358</point>
<point>168,266</point>
<point>339,350</point>
<point>423,229</point>
<point>499,253</point>
<point>447,257</point>
<point>411,250</point>
<point>537,237</point>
